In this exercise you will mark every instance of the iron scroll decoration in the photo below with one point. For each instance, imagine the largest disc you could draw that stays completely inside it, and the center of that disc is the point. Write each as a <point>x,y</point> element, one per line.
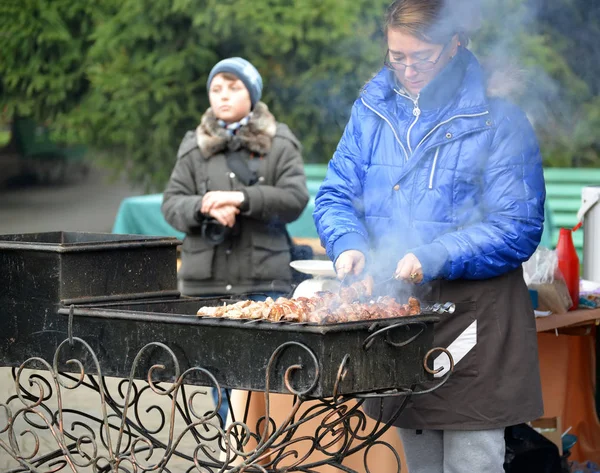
<point>118,437</point>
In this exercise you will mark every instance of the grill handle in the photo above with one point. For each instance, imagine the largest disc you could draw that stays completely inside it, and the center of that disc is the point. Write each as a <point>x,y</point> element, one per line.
<point>385,330</point>
<point>411,391</point>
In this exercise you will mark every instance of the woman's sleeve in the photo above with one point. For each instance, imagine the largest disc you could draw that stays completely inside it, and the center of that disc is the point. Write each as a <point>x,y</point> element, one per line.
<point>180,200</point>
<point>338,213</point>
<point>512,209</point>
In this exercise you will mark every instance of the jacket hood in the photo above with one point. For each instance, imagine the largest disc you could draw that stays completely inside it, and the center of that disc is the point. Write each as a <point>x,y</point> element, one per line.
<point>257,136</point>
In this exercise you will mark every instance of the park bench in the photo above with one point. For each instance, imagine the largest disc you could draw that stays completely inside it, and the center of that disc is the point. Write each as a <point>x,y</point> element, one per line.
<point>563,188</point>
<point>49,161</point>
<point>141,214</point>
<point>563,194</point>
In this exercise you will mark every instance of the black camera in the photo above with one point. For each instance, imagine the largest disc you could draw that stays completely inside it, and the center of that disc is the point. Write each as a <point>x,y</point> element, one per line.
<point>212,231</point>
<point>215,233</point>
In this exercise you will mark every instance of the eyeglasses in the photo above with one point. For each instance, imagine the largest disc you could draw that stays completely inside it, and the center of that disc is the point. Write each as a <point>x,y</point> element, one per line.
<point>418,66</point>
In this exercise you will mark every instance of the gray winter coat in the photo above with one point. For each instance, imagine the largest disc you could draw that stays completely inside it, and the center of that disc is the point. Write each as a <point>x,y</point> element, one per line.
<point>256,258</point>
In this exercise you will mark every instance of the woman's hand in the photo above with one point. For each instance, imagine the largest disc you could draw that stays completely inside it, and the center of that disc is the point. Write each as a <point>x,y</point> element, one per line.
<point>409,268</point>
<point>225,214</point>
<point>215,199</point>
<point>349,262</point>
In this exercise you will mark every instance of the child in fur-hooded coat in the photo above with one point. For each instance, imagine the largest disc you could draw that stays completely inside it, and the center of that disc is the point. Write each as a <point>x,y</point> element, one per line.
<point>205,197</point>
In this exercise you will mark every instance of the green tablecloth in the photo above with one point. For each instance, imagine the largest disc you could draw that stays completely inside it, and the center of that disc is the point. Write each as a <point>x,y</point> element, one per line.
<point>141,215</point>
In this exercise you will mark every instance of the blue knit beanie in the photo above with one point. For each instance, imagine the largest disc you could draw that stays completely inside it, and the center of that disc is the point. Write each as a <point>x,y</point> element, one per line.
<point>243,70</point>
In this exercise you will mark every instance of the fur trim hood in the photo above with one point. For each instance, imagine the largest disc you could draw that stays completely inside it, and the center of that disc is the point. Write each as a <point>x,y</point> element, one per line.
<point>257,136</point>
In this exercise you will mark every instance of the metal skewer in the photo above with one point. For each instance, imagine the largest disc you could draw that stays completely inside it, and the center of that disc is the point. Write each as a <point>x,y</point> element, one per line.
<point>393,278</point>
<point>342,283</point>
<point>446,308</point>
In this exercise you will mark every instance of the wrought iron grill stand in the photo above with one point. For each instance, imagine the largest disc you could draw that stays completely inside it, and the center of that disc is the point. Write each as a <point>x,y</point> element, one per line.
<point>119,439</point>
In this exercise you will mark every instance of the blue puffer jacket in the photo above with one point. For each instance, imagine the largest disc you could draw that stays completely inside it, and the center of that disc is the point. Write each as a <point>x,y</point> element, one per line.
<point>454,177</point>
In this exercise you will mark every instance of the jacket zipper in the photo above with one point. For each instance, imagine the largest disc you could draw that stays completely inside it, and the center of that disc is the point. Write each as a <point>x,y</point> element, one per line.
<point>416,112</point>
<point>388,122</point>
<point>435,158</point>
<point>448,121</point>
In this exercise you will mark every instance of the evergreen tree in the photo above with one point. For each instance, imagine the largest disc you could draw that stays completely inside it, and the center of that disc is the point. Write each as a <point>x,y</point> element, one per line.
<point>128,77</point>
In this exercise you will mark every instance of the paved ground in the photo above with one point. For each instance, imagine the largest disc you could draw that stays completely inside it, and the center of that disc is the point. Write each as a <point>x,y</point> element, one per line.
<point>89,205</point>
<point>88,402</point>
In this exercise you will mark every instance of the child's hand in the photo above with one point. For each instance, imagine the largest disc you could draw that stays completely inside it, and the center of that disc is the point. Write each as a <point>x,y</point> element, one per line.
<point>216,199</point>
<point>225,215</point>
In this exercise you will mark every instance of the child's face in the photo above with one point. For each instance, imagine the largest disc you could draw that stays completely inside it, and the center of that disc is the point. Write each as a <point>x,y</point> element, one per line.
<point>229,99</point>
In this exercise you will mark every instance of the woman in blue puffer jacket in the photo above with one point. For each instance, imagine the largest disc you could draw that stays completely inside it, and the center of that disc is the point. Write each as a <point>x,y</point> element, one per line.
<point>440,184</point>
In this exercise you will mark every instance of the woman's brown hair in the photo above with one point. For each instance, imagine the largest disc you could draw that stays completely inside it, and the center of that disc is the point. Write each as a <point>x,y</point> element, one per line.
<point>429,20</point>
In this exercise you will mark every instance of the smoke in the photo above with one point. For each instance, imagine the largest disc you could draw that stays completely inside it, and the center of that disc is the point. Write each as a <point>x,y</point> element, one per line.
<point>521,52</point>
<point>521,45</point>
<point>505,37</point>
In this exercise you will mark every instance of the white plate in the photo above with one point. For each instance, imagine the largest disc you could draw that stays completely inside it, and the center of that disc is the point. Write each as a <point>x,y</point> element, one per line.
<point>314,267</point>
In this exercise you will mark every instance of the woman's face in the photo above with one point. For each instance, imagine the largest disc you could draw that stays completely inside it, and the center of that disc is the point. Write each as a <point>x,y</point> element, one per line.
<point>423,60</point>
<point>229,99</point>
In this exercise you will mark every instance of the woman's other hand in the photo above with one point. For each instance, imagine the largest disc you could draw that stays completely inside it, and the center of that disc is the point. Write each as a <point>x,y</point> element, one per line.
<point>409,269</point>
<point>349,262</point>
<point>225,215</point>
<point>215,199</point>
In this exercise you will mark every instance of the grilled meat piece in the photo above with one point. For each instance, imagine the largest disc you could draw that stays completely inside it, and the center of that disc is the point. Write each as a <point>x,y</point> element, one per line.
<point>357,291</point>
<point>323,308</point>
<point>414,306</point>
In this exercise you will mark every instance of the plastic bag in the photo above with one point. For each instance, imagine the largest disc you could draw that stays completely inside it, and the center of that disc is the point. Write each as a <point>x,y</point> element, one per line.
<point>542,267</point>
<point>541,273</point>
<point>588,467</point>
